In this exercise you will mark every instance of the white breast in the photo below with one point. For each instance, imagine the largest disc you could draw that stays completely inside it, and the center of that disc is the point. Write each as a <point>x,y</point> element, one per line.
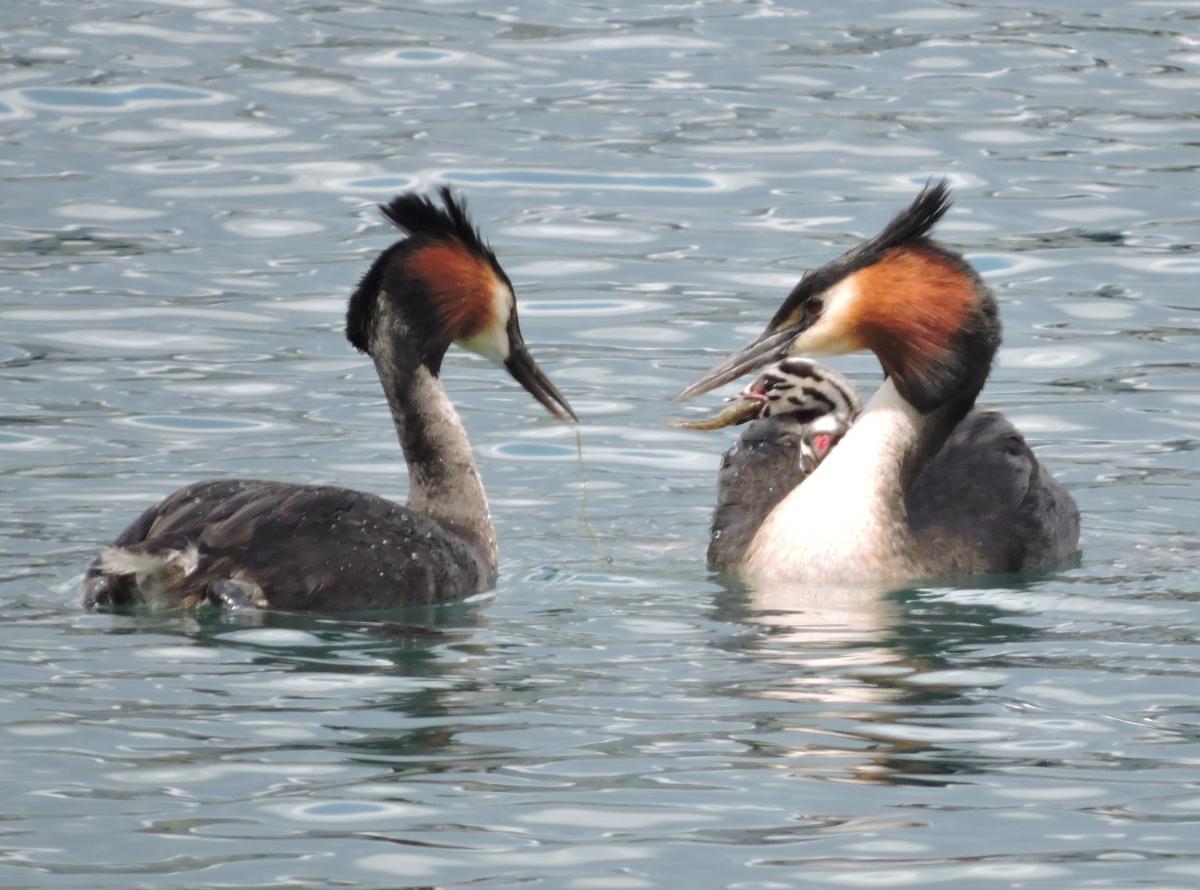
<point>846,523</point>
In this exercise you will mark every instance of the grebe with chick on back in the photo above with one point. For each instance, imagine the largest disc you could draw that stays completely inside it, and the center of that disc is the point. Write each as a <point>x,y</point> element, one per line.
<point>797,411</point>
<point>251,543</point>
<point>922,486</point>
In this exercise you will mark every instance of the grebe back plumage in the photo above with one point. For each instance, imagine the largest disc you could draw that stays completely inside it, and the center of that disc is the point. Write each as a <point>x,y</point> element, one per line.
<point>920,487</point>
<point>244,542</point>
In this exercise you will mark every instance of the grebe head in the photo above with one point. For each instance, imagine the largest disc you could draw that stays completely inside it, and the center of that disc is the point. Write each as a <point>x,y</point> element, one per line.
<point>443,285</point>
<point>916,304</point>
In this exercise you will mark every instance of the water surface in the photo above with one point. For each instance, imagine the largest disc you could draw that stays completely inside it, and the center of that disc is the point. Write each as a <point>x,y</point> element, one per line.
<point>189,193</point>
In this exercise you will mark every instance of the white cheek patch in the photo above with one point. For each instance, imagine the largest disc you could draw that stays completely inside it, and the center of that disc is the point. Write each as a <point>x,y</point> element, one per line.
<point>492,341</point>
<point>833,332</point>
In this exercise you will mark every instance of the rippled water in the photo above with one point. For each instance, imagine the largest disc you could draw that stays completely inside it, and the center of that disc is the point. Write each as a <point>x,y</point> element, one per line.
<point>188,200</point>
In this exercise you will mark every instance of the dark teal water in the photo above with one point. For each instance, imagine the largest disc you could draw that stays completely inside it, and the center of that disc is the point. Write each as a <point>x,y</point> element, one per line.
<point>188,199</point>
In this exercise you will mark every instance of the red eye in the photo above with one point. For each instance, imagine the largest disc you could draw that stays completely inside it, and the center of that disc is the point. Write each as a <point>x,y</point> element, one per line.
<point>822,442</point>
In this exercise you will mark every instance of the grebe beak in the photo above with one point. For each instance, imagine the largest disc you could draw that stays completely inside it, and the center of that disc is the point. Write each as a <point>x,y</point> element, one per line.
<point>771,346</point>
<point>524,370</point>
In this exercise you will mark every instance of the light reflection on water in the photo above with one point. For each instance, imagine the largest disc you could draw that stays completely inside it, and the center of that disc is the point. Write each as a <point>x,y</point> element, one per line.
<point>190,197</point>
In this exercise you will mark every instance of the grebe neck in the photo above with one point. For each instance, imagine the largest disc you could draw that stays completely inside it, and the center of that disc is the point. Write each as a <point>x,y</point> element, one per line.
<point>443,481</point>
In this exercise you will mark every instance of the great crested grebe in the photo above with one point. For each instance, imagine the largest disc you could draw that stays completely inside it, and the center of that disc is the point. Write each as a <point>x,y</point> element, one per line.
<point>921,486</point>
<point>798,410</point>
<point>244,542</point>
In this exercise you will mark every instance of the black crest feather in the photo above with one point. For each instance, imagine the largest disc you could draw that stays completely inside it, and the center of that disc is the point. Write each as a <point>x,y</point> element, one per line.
<point>911,224</point>
<point>418,216</point>
<point>423,221</point>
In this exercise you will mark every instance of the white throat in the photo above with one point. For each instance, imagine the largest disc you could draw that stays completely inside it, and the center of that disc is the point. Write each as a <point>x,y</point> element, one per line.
<point>846,523</point>
<point>492,341</point>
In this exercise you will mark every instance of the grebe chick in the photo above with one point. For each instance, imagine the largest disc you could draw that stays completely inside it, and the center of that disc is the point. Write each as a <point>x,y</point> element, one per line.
<point>243,542</point>
<point>921,486</point>
<point>800,410</point>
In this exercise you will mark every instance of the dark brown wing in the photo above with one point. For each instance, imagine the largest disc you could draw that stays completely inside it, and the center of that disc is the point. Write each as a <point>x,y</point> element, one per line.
<point>986,500</point>
<point>310,547</point>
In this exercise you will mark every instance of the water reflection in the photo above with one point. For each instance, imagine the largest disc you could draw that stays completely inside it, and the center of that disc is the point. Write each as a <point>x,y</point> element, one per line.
<point>279,675</point>
<point>869,670</point>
